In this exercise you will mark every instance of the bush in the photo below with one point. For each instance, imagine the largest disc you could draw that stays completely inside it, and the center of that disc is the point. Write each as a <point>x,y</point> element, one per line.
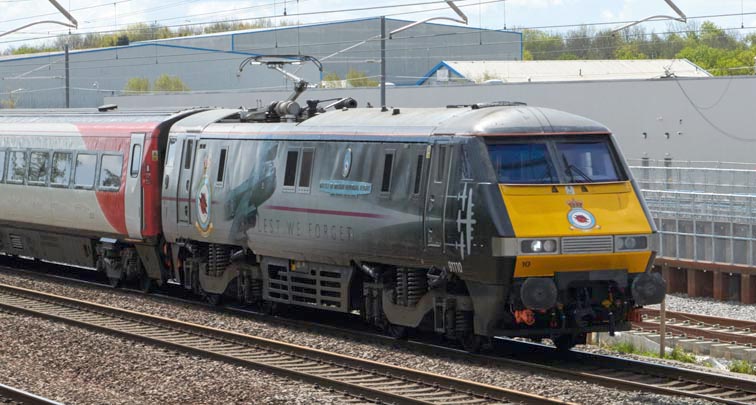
<point>743,367</point>
<point>137,85</point>
<point>169,83</point>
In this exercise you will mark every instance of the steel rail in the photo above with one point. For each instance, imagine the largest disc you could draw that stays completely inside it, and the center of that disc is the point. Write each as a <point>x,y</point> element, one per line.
<point>357,377</point>
<point>705,319</point>
<point>604,370</point>
<point>23,397</point>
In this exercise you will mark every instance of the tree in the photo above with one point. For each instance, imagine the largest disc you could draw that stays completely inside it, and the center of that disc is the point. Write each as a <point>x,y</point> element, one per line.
<point>332,80</point>
<point>359,79</point>
<point>166,82</point>
<point>137,85</point>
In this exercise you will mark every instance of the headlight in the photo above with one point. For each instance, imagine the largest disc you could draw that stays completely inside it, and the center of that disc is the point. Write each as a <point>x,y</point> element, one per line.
<point>538,246</point>
<point>631,243</point>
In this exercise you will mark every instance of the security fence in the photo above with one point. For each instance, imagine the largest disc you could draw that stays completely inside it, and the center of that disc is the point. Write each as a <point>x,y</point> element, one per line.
<point>704,211</point>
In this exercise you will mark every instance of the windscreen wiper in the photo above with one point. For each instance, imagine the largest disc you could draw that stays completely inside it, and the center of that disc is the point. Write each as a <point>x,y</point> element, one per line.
<point>570,168</point>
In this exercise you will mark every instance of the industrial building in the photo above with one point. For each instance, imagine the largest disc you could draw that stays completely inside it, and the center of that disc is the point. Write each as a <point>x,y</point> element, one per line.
<point>210,62</point>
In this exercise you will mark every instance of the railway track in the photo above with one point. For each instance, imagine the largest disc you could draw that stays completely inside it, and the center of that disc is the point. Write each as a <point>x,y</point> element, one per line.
<point>605,370</point>
<point>363,379</point>
<point>701,326</point>
<point>17,396</point>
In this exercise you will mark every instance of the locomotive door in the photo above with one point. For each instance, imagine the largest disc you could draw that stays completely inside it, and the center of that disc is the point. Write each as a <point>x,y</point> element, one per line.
<point>134,187</point>
<point>435,196</point>
<point>184,185</point>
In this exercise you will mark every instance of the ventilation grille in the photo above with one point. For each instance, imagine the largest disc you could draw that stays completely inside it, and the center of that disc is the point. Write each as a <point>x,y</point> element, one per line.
<point>322,286</point>
<point>16,242</point>
<point>588,244</point>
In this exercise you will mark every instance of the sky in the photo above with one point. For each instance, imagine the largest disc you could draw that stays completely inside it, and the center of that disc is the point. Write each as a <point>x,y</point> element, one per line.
<point>559,15</point>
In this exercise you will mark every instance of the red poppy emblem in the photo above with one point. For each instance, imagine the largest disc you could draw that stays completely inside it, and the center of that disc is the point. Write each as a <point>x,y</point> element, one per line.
<point>203,203</point>
<point>581,218</point>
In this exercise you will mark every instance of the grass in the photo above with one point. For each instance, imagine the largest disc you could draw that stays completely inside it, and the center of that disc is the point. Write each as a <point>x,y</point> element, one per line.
<point>743,367</point>
<point>676,353</point>
<point>737,366</point>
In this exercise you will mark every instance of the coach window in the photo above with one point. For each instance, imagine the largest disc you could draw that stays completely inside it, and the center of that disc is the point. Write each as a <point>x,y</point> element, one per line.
<point>110,172</point>
<point>290,175</point>
<point>61,169</point>
<point>2,165</point>
<point>388,165</point>
<point>16,167</point>
<point>221,167</point>
<point>86,165</point>
<point>305,171</point>
<point>38,168</point>
<point>136,159</point>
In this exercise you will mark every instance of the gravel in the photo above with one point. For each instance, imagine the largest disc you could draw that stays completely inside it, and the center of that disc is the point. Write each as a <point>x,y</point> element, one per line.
<point>138,384</point>
<point>710,307</point>
<point>76,366</point>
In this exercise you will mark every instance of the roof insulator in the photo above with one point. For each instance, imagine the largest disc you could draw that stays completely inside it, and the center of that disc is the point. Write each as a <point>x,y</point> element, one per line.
<point>395,112</point>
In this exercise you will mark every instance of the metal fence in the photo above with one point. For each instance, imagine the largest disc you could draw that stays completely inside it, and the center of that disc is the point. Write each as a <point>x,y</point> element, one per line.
<point>704,211</point>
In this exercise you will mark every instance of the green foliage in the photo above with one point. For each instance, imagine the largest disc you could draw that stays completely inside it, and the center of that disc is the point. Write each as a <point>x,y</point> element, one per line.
<point>331,77</point>
<point>676,353</point>
<point>137,85</point>
<point>25,49</point>
<point>166,82</point>
<point>10,103</point>
<point>743,367</point>
<point>359,79</point>
<point>719,51</point>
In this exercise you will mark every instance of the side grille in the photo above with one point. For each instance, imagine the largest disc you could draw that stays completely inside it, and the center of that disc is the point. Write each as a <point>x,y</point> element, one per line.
<point>16,242</point>
<point>588,244</point>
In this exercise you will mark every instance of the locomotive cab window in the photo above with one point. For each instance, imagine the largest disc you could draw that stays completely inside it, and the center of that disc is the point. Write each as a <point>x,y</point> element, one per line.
<point>440,164</point>
<point>290,175</point>
<point>588,161</point>
<point>38,167</point>
<point>305,171</point>
<point>111,167</point>
<point>61,169</point>
<point>171,154</point>
<point>221,167</point>
<point>16,167</point>
<point>86,166</point>
<point>298,173</point>
<point>388,165</point>
<point>188,154</point>
<point>555,160</point>
<point>418,174</point>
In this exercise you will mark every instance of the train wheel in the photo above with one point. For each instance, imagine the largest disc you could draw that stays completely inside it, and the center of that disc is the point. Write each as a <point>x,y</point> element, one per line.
<point>564,343</point>
<point>471,342</point>
<point>213,299</point>
<point>114,282</point>
<point>145,284</point>
<point>396,331</point>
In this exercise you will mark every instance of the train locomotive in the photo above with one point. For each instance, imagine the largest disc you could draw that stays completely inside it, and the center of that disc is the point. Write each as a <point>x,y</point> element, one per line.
<point>472,221</point>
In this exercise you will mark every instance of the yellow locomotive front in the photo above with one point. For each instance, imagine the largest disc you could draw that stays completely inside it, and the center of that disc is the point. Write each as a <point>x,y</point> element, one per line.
<point>582,235</point>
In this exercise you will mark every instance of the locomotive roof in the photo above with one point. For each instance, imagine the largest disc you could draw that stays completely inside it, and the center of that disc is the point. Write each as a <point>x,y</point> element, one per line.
<point>409,122</point>
<point>496,120</point>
